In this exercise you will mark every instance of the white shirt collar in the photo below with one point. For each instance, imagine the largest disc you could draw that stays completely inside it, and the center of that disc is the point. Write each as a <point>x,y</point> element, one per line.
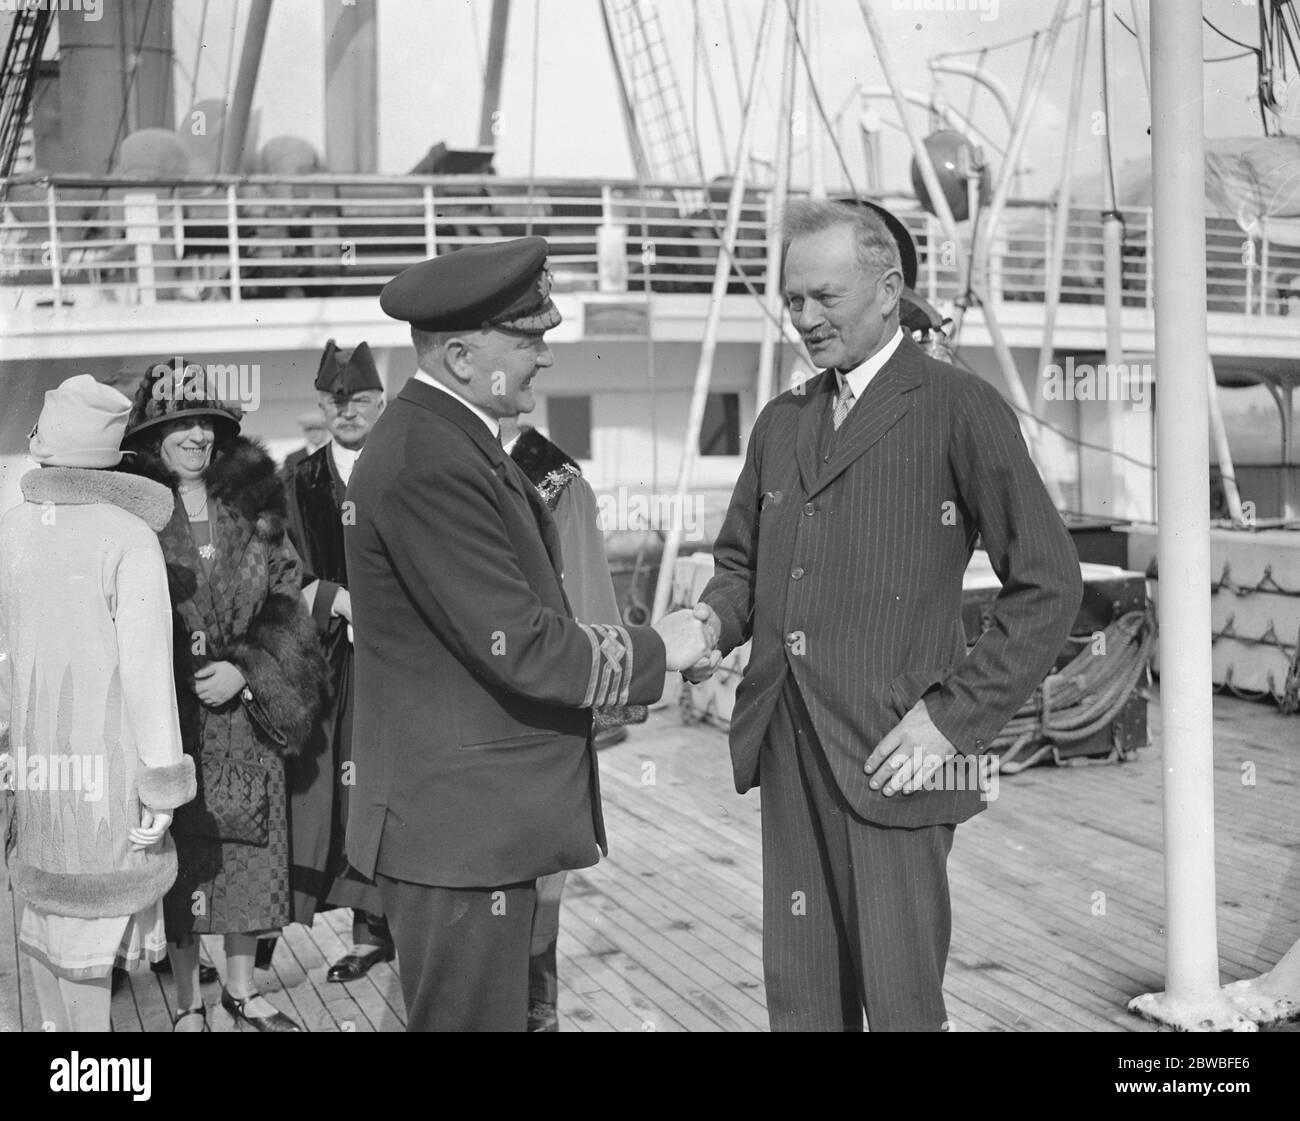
<point>486,418</point>
<point>860,376</point>
<point>344,460</point>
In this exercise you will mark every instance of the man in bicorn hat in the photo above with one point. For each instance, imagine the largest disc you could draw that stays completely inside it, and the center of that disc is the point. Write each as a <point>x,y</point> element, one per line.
<point>351,398</point>
<point>475,771</point>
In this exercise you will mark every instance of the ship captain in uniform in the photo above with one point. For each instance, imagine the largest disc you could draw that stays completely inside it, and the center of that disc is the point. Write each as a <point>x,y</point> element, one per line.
<point>476,772</point>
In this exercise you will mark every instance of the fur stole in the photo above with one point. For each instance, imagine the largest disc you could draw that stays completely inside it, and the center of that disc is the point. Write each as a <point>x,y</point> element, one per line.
<point>242,476</point>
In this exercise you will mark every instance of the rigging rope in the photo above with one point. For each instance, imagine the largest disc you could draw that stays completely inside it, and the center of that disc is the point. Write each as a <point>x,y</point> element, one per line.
<point>1084,697</point>
<point>198,54</point>
<point>1000,46</point>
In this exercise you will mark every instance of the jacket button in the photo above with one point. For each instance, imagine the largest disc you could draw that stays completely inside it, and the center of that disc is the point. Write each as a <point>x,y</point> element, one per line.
<point>796,574</point>
<point>792,638</point>
<point>809,509</point>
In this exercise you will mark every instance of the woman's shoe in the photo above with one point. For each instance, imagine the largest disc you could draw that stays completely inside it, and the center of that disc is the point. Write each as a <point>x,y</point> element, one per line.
<point>278,1021</point>
<point>201,1011</point>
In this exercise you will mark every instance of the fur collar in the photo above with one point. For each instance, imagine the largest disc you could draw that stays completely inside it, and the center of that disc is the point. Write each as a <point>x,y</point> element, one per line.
<point>537,456</point>
<point>80,486</point>
<point>548,468</point>
<point>242,476</point>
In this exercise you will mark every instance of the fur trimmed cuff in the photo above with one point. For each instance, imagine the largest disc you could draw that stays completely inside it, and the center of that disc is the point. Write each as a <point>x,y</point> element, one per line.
<point>166,787</point>
<point>281,660</point>
<point>95,895</point>
<point>616,716</point>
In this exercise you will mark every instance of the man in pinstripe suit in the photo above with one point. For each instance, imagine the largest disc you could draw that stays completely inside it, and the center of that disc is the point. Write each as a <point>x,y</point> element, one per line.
<point>859,504</point>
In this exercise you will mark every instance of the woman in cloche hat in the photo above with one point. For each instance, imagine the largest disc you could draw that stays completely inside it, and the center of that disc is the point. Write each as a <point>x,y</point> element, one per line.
<point>89,740</point>
<point>249,678</point>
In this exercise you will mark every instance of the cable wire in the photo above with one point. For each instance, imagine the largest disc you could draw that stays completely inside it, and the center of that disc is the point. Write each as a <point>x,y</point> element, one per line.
<point>198,54</point>
<point>1225,35</point>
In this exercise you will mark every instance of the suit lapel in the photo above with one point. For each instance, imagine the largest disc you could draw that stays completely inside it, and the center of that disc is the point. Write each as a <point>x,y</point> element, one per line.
<point>808,436</point>
<point>884,403</point>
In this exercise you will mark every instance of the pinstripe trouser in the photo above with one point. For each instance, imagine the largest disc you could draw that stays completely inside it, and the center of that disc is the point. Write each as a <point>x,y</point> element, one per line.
<point>855,916</point>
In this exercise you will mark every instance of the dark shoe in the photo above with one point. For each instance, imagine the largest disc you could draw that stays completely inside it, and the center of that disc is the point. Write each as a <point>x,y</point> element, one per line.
<point>201,1011</point>
<point>542,1017</point>
<point>354,966</point>
<point>275,1022</point>
<point>207,973</point>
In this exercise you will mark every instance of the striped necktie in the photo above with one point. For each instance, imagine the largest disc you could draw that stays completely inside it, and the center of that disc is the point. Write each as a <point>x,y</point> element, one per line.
<point>843,403</point>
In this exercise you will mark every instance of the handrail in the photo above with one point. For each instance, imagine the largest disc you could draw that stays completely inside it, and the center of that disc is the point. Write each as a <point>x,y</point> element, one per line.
<point>118,240</point>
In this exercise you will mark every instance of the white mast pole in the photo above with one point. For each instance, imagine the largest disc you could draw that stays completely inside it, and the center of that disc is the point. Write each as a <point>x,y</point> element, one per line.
<point>721,273</point>
<point>772,306</point>
<point>1192,998</point>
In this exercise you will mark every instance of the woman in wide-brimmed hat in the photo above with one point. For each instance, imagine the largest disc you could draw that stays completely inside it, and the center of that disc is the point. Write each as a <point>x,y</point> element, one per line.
<point>249,675</point>
<point>89,735</point>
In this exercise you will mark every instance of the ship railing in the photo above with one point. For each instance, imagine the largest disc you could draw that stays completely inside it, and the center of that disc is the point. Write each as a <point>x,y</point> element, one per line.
<point>86,241</point>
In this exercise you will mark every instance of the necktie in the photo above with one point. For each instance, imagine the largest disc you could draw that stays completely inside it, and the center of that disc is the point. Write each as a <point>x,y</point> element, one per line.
<point>842,405</point>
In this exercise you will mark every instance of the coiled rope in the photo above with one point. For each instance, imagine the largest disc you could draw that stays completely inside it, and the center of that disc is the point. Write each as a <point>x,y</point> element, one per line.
<point>1084,697</point>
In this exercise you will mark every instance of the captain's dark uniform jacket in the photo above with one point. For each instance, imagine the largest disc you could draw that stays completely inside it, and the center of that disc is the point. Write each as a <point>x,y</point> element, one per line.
<point>843,559</point>
<point>474,765</point>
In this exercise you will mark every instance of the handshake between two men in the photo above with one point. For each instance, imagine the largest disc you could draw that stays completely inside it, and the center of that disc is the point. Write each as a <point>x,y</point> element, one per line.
<point>903,761</point>
<point>691,637</point>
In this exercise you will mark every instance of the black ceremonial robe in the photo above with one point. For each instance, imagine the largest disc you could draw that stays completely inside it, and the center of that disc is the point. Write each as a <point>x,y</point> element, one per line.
<point>320,779</point>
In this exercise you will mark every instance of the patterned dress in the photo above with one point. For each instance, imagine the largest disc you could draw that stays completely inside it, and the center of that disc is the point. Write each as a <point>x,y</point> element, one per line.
<point>241,605</point>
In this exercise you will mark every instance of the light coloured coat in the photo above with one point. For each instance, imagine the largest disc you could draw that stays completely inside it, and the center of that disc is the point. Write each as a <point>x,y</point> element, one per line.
<point>87,708</point>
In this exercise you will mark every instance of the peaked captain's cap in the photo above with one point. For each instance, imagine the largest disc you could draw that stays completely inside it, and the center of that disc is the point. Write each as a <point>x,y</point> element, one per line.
<point>505,284</point>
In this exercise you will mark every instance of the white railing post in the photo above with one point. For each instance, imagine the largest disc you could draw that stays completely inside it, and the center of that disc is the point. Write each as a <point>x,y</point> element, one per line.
<point>997,254</point>
<point>1248,261</point>
<point>140,217</point>
<point>611,247</point>
<point>1048,241</point>
<point>430,223</point>
<point>232,233</point>
<point>1264,287</point>
<point>52,219</point>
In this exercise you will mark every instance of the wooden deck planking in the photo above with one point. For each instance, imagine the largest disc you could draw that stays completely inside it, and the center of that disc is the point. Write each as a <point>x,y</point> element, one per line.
<point>685,961</point>
<point>666,934</point>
